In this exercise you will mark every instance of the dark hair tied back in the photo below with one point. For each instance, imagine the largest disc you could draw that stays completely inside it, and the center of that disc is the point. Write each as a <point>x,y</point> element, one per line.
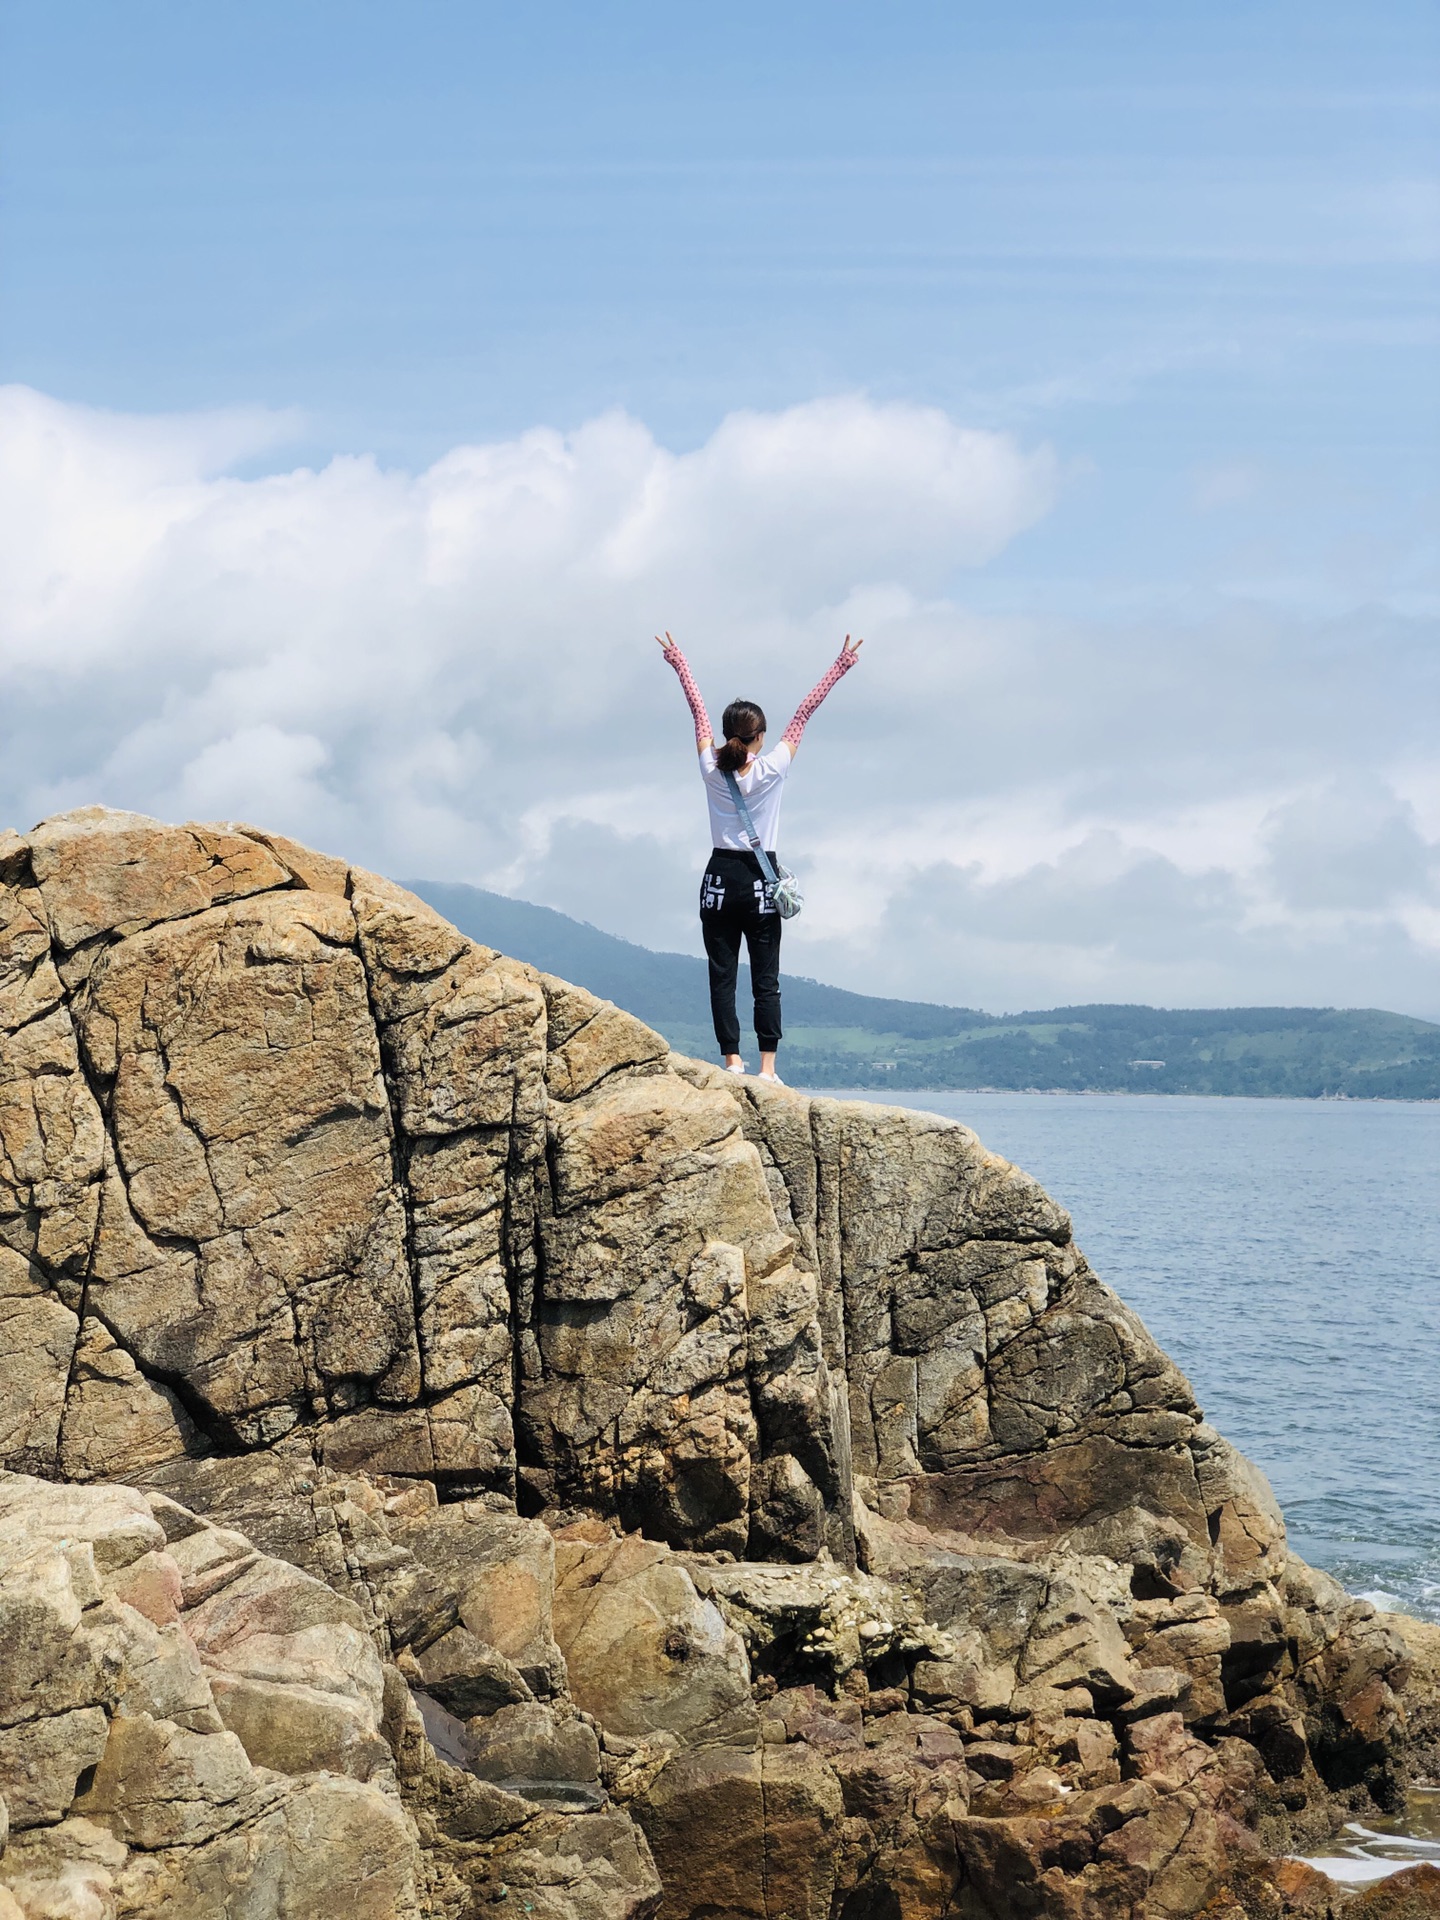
<point>743,723</point>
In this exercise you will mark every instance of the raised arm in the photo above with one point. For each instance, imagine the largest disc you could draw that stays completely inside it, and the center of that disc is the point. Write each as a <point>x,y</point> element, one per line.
<point>703,733</point>
<point>844,660</point>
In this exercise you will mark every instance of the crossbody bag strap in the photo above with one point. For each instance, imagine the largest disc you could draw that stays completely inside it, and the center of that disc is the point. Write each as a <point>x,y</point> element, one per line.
<point>771,877</point>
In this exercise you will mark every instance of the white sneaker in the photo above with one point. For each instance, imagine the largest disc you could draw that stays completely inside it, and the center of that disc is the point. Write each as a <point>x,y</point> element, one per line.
<point>770,1079</point>
<point>732,1069</point>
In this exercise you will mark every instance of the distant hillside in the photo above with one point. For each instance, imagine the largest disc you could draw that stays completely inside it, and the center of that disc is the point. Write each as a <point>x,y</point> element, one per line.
<point>839,1039</point>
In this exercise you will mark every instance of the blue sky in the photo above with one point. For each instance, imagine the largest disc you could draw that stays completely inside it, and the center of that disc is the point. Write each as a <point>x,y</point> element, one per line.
<point>1188,253</point>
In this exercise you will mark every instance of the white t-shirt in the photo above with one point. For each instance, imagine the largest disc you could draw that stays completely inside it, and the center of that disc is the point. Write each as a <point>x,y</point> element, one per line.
<point>762,783</point>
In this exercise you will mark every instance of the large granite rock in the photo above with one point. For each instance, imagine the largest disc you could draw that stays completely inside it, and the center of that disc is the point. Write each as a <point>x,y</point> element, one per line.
<point>554,1463</point>
<point>180,1713</point>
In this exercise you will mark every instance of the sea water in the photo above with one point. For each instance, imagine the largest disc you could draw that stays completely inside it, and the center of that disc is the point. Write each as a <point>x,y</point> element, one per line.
<point>1287,1254</point>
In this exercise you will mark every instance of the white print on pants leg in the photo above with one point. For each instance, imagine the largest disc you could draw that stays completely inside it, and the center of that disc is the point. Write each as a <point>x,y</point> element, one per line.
<point>712,895</point>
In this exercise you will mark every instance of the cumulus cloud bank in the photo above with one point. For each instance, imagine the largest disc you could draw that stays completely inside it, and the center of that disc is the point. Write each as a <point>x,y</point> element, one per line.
<point>450,674</point>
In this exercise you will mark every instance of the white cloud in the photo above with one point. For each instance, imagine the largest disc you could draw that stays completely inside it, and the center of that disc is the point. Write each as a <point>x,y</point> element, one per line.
<point>223,779</point>
<point>450,674</point>
<point>1353,846</point>
<point>1110,919</point>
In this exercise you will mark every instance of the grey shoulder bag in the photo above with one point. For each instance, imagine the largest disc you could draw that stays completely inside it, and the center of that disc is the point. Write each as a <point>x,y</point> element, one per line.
<point>784,887</point>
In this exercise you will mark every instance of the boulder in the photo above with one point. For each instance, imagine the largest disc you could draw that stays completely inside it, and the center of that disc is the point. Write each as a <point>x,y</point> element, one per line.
<point>1038,1644</point>
<point>467,1677</point>
<point>491,1573</point>
<point>175,1710</point>
<point>566,1257</point>
<point>272,1624</point>
<point>593,1866</point>
<point>803,1809</point>
<point>69,1871</point>
<point>1419,1688</point>
<point>532,1742</point>
<point>1188,1633</point>
<point>1113,1851</point>
<point>1413,1894</point>
<point>42,1761</point>
<point>755,1459</point>
<point>329,1846</point>
<point>818,1821</point>
<point>1348,1669</point>
<point>704,1819</point>
<point>643,1651</point>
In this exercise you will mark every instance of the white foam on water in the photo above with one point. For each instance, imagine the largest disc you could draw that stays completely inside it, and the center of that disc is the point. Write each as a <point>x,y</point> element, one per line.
<point>1352,1871</point>
<point>1394,1839</point>
<point>1365,1853</point>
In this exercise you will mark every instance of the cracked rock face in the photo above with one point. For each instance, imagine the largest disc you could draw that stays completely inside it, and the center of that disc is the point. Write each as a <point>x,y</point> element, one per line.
<point>504,1389</point>
<point>284,1156</point>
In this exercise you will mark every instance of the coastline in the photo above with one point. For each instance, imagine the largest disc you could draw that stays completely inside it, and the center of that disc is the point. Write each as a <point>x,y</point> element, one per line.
<point>1121,1093</point>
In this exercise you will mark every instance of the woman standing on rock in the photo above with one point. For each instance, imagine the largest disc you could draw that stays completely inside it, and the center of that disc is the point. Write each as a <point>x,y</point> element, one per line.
<point>738,894</point>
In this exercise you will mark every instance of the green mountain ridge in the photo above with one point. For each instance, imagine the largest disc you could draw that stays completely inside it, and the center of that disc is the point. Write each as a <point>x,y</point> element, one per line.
<point>835,1038</point>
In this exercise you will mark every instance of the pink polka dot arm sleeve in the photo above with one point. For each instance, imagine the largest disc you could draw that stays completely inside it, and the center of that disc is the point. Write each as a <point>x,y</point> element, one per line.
<point>812,699</point>
<point>704,733</point>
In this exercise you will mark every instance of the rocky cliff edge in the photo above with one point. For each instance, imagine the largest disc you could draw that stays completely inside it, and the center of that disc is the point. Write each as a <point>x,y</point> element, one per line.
<point>460,1455</point>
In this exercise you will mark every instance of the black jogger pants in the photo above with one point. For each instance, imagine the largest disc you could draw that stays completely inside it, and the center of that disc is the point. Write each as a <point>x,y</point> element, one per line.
<point>734,900</point>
